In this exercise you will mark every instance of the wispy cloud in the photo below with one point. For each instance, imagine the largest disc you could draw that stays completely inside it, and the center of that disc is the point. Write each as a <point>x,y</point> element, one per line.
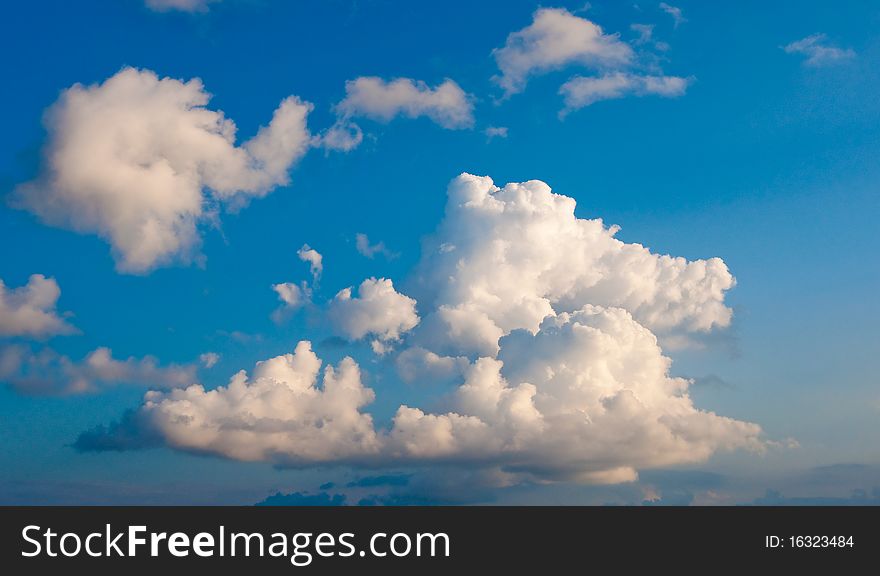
<point>674,11</point>
<point>819,51</point>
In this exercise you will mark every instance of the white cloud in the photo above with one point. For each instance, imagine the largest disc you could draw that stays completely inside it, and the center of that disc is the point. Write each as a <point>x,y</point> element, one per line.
<point>581,91</point>
<point>280,413</point>
<point>504,258</point>
<point>316,262</point>
<point>293,297</point>
<point>209,359</point>
<point>587,398</point>
<point>818,51</point>
<point>677,16</point>
<point>377,310</point>
<point>46,372</point>
<point>377,99</point>
<point>182,5</point>
<point>362,243</point>
<point>372,97</point>
<point>543,322</point>
<point>495,132</point>
<point>30,310</point>
<point>556,38</point>
<point>141,161</point>
<point>343,136</point>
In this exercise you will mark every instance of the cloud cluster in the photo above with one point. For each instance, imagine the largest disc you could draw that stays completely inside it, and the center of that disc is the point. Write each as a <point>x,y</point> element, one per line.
<point>544,322</point>
<point>381,100</point>
<point>556,38</point>
<point>141,161</point>
<point>30,310</point>
<point>46,372</point>
<point>818,51</point>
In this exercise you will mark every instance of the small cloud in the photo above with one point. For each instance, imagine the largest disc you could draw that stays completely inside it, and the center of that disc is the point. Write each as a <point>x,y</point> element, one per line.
<point>209,359</point>
<point>180,5</point>
<point>445,104</point>
<point>239,337</point>
<point>583,91</point>
<point>376,310</point>
<point>30,309</point>
<point>314,258</point>
<point>493,132</point>
<point>362,243</point>
<point>818,51</point>
<point>556,38</point>
<point>293,297</point>
<point>677,17</point>
<point>645,33</point>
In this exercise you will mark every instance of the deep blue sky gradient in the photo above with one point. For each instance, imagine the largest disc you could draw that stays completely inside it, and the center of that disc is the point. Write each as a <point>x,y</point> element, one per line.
<point>765,162</point>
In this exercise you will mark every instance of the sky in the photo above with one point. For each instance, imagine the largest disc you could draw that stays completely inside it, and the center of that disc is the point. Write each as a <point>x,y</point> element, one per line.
<point>366,252</point>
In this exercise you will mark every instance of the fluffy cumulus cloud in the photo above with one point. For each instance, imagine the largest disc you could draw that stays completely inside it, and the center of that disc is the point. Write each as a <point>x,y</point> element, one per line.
<point>288,411</point>
<point>377,310</point>
<point>588,398</point>
<point>371,97</point>
<point>543,328</point>
<point>46,372</point>
<point>377,99</point>
<point>30,310</point>
<point>583,91</point>
<point>818,51</point>
<point>141,161</point>
<point>505,258</point>
<point>182,5</point>
<point>557,39</point>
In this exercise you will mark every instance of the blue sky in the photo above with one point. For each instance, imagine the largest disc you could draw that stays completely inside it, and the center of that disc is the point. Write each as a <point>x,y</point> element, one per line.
<point>766,159</point>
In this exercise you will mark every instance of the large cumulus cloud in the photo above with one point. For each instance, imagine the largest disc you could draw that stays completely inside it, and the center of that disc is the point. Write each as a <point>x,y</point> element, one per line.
<point>141,161</point>
<point>558,373</point>
<point>505,258</point>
